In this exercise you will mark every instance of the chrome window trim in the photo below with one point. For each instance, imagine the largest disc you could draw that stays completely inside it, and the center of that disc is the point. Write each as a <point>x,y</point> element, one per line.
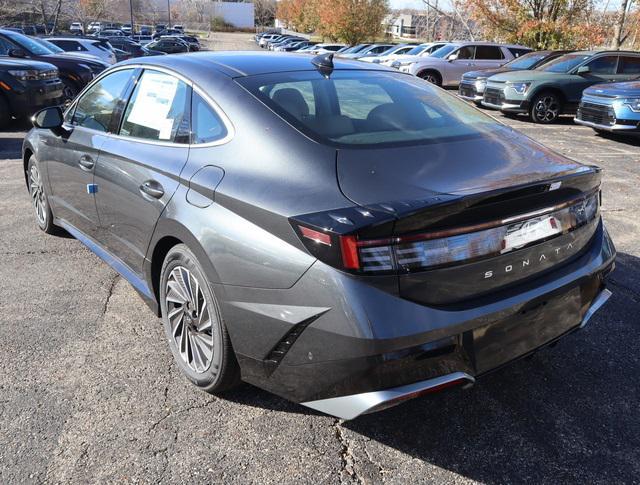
<point>212,104</point>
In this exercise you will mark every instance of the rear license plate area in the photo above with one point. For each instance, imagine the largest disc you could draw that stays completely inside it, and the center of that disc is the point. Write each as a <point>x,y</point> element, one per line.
<point>534,325</point>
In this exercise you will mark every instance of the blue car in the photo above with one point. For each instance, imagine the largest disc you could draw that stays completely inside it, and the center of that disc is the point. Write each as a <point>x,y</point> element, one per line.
<point>613,107</point>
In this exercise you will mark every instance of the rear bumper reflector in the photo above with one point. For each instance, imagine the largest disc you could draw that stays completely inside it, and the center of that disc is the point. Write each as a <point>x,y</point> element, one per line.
<point>352,406</point>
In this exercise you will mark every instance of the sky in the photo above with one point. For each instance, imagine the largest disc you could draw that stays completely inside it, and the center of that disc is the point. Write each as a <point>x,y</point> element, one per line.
<point>396,4</point>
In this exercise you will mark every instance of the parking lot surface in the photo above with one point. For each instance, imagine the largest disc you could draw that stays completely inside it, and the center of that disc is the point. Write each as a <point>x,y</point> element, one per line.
<point>88,391</point>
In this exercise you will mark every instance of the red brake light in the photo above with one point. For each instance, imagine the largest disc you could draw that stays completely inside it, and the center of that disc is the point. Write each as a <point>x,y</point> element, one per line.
<point>349,248</point>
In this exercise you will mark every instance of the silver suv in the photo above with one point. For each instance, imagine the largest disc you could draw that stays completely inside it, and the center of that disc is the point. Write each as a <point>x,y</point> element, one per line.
<point>446,66</point>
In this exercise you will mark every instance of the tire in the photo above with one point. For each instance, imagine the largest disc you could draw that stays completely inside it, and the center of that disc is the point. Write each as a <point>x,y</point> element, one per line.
<point>431,77</point>
<point>5,116</point>
<point>545,108</point>
<point>39,200</point>
<point>70,90</point>
<point>202,351</point>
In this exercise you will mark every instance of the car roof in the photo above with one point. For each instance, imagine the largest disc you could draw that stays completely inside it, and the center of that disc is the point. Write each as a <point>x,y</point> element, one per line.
<point>245,63</point>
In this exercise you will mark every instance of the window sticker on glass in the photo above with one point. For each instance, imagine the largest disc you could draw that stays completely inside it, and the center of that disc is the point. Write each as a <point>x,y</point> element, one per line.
<point>154,98</point>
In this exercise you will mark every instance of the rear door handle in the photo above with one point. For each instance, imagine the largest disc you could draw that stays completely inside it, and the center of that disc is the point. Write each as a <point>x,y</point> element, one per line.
<point>152,188</point>
<point>86,163</point>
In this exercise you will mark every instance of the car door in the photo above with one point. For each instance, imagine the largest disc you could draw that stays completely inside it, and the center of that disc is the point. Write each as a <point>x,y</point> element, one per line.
<point>464,62</point>
<point>72,156</point>
<point>602,69</point>
<point>488,57</point>
<point>138,169</point>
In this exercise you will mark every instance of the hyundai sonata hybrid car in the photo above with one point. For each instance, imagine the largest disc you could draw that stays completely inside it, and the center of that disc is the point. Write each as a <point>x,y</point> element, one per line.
<point>341,234</point>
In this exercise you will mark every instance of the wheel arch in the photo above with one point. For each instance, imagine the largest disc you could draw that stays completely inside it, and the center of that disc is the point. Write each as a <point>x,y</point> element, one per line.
<point>434,70</point>
<point>27,153</point>
<point>549,89</point>
<point>169,233</point>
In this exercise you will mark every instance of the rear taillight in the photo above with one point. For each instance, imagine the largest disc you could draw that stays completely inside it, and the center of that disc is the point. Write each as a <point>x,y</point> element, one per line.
<point>358,251</point>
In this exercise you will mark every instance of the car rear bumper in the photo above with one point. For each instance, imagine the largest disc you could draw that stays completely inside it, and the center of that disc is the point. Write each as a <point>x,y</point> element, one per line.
<point>354,405</point>
<point>363,349</point>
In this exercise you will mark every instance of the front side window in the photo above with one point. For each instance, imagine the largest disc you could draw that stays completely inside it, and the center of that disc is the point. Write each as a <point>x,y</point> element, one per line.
<point>604,65</point>
<point>488,52</point>
<point>359,108</point>
<point>95,108</point>
<point>207,125</point>
<point>466,52</point>
<point>158,109</point>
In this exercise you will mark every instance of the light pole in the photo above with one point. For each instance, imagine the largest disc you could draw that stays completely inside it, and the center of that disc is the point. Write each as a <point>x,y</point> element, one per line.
<point>131,14</point>
<point>169,13</point>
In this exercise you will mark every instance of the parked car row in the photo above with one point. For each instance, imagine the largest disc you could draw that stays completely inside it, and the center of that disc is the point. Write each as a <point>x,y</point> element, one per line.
<point>601,88</point>
<point>36,72</point>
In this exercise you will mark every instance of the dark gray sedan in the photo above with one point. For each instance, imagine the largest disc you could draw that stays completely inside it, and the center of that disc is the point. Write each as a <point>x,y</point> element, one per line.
<point>341,234</point>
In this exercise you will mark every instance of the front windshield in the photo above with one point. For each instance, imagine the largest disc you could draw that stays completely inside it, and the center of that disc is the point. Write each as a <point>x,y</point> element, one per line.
<point>564,63</point>
<point>29,44</point>
<point>417,50</point>
<point>368,108</point>
<point>527,61</point>
<point>444,51</point>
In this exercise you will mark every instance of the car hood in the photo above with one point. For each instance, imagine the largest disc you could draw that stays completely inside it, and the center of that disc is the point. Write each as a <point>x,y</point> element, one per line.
<point>473,75</point>
<point>9,63</point>
<point>532,75</point>
<point>619,90</point>
<point>486,162</point>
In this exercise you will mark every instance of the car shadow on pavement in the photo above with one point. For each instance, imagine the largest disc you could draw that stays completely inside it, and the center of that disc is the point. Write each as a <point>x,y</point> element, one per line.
<point>569,413</point>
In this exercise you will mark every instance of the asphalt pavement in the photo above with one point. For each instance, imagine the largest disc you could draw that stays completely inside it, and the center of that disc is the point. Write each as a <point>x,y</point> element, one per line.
<point>88,391</point>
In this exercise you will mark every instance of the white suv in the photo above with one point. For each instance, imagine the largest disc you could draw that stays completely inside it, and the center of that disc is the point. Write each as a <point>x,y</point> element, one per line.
<point>99,48</point>
<point>446,66</point>
<point>76,28</point>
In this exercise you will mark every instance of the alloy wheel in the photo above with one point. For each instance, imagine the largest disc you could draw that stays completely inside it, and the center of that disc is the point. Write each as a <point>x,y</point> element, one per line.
<point>191,319</point>
<point>547,108</point>
<point>37,195</point>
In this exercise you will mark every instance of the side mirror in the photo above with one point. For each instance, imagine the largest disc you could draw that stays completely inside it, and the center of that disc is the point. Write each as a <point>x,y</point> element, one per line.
<point>583,70</point>
<point>50,118</point>
<point>16,52</point>
<point>452,57</point>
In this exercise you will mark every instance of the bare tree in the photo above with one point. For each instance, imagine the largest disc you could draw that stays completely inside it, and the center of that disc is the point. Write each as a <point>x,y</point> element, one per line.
<point>619,35</point>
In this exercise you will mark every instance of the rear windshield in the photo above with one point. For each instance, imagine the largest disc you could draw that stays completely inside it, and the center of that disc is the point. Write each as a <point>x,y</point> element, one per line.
<point>368,108</point>
<point>417,50</point>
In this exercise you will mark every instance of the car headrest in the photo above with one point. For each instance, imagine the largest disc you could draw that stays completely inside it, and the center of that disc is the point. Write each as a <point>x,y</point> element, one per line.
<point>292,101</point>
<point>391,116</point>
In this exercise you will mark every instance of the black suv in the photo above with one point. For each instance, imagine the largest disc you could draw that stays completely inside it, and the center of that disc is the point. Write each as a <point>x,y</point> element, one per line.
<point>26,87</point>
<point>75,71</point>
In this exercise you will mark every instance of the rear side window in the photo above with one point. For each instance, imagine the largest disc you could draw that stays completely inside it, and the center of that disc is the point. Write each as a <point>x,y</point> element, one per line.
<point>95,108</point>
<point>603,65</point>
<point>158,109</point>
<point>69,45</point>
<point>629,65</point>
<point>207,125</point>
<point>488,52</point>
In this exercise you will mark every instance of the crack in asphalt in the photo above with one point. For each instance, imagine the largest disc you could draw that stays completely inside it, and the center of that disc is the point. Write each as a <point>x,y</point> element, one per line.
<point>346,455</point>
